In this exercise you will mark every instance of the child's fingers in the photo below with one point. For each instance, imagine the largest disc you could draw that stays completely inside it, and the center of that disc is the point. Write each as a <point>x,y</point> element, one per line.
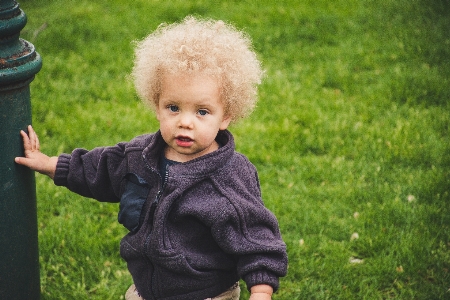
<point>26,140</point>
<point>21,160</point>
<point>30,163</point>
<point>33,138</point>
<point>30,140</point>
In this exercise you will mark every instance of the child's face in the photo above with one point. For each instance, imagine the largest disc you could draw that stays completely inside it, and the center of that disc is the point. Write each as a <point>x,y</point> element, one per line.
<point>190,113</point>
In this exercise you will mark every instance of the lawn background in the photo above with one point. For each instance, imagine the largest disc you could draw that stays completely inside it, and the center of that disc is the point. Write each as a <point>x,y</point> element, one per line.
<point>351,135</point>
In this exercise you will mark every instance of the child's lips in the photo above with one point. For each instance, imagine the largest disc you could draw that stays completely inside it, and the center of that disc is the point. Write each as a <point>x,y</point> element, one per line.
<point>184,141</point>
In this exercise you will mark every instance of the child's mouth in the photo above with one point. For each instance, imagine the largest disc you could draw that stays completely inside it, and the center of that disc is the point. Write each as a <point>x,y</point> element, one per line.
<point>184,141</point>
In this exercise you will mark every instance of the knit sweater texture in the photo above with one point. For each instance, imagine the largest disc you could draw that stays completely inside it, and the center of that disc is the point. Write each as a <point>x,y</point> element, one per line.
<point>197,235</point>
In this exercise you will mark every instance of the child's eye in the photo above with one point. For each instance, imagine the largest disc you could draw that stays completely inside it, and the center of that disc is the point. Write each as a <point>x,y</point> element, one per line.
<point>202,112</point>
<point>172,108</point>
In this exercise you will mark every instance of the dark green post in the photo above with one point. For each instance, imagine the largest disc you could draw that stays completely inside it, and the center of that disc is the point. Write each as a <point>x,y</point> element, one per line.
<point>19,257</point>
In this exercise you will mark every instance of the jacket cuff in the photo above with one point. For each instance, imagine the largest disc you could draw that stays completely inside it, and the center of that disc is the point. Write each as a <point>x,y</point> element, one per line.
<point>261,277</point>
<point>62,170</point>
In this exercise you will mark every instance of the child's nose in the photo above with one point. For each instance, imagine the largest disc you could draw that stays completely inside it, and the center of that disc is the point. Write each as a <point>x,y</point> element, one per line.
<point>186,120</point>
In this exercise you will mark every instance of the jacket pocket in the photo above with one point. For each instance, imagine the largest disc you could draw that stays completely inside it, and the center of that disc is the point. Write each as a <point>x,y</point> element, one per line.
<point>132,201</point>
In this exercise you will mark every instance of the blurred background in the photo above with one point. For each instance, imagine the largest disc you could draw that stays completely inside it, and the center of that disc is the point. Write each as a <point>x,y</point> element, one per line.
<point>350,138</point>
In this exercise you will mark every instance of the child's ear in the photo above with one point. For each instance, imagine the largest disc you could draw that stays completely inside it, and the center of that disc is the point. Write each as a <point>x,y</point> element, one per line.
<point>225,122</point>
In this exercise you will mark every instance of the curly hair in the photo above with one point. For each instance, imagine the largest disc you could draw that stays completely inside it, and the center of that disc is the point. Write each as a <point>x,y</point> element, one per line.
<point>194,46</point>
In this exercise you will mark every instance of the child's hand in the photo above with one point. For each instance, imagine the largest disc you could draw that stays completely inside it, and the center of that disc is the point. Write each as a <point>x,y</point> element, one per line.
<point>35,159</point>
<point>261,292</point>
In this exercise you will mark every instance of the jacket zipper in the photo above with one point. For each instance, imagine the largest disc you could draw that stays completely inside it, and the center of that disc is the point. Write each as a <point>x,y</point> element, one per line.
<point>153,209</point>
<point>151,218</point>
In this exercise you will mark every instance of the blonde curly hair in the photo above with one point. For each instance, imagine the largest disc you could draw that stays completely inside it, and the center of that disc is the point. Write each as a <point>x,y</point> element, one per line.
<point>197,46</point>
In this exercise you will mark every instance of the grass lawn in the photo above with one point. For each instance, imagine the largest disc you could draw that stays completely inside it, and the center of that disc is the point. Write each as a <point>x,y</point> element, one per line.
<point>350,138</point>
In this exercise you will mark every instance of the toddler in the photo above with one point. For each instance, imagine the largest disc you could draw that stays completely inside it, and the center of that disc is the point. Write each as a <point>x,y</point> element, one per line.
<point>192,205</point>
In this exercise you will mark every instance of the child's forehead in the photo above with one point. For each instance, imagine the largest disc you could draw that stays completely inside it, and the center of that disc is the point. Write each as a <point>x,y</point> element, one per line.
<point>197,86</point>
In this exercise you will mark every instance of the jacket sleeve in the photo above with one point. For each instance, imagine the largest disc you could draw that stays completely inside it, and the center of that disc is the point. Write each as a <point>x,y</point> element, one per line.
<point>95,174</point>
<point>248,230</point>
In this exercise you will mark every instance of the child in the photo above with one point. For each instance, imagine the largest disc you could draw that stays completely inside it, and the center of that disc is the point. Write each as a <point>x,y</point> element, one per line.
<point>191,203</point>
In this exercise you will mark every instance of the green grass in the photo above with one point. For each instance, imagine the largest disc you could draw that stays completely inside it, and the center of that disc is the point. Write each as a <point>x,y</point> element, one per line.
<point>351,135</point>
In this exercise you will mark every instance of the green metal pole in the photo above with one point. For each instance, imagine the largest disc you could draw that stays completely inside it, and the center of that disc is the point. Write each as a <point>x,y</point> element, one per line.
<point>19,257</point>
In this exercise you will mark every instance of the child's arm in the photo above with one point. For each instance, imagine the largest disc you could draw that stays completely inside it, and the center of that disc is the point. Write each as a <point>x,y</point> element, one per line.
<point>34,158</point>
<point>261,292</point>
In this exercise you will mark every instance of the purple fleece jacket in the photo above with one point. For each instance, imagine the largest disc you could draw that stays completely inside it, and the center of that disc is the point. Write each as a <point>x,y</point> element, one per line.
<point>197,235</point>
